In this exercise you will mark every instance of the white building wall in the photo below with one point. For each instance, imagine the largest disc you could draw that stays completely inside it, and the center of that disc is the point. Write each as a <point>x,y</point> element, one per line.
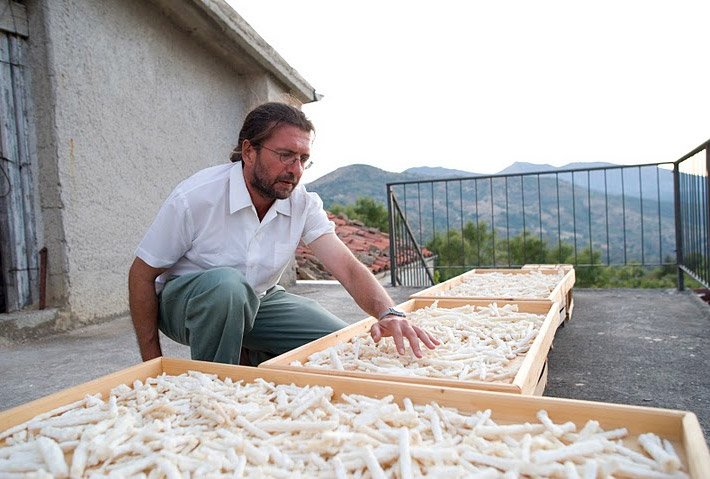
<point>134,106</point>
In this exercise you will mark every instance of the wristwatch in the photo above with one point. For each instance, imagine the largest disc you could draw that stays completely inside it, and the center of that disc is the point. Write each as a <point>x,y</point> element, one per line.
<point>391,311</point>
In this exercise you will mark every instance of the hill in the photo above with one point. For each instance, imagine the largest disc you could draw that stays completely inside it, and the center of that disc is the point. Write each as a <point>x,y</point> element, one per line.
<point>583,214</point>
<point>438,172</point>
<point>582,165</point>
<point>347,184</point>
<point>521,167</point>
<point>611,182</point>
<point>488,197</point>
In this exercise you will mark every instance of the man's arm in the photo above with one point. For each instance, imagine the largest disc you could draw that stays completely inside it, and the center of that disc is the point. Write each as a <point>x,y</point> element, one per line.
<point>144,307</point>
<point>368,293</point>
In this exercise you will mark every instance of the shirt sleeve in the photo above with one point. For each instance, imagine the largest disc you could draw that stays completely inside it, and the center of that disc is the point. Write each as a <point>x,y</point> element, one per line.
<point>170,235</point>
<point>317,222</point>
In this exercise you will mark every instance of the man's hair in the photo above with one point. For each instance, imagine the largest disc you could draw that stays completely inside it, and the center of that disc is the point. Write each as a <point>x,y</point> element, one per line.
<point>261,122</point>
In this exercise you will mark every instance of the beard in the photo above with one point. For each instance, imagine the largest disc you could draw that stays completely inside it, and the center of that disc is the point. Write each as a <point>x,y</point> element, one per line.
<point>269,188</point>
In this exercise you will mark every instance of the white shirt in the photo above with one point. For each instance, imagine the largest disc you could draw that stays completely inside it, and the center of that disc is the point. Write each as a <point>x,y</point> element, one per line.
<point>209,221</point>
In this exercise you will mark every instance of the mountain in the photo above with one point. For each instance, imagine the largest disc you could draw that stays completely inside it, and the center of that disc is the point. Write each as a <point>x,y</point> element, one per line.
<point>348,183</point>
<point>517,168</point>
<point>521,167</point>
<point>438,172</point>
<point>582,165</point>
<point>620,228</point>
<point>498,201</point>
<point>657,182</point>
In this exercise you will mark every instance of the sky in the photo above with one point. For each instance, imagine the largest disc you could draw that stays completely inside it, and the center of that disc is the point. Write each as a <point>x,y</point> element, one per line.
<point>477,86</point>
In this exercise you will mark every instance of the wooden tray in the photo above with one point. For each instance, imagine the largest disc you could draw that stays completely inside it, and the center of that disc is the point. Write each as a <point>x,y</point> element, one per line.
<point>561,294</point>
<point>569,299</point>
<point>564,267</point>
<point>524,382</point>
<point>680,427</point>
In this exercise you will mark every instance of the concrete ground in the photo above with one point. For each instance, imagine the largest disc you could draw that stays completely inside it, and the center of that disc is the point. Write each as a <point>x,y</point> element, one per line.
<point>643,347</point>
<point>634,346</point>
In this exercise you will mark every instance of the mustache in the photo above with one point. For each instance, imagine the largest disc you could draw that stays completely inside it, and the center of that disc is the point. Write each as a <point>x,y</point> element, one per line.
<point>289,177</point>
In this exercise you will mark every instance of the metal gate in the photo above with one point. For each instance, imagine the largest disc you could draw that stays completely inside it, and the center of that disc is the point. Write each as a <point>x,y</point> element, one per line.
<point>18,242</point>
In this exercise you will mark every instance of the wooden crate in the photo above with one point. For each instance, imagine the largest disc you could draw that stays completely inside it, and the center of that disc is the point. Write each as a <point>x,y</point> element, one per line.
<point>541,382</point>
<point>569,286</point>
<point>561,294</point>
<point>679,427</point>
<point>525,381</point>
<point>564,267</point>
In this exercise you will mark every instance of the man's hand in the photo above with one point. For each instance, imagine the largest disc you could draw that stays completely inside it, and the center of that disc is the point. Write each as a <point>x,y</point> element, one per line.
<point>400,328</point>
<point>368,293</point>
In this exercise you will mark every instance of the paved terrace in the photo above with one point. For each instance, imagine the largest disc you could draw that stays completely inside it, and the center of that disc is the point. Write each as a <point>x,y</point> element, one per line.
<point>642,347</point>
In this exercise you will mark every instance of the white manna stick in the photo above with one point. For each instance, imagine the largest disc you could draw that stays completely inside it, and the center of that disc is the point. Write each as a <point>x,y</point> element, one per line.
<point>372,464</point>
<point>512,333</point>
<point>53,457</point>
<point>654,447</point>
<point>269,441</point>
<point>577,450</point>
<point>405,458</point>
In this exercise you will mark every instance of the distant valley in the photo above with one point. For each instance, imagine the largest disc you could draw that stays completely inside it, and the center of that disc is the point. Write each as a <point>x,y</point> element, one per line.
<point>346,184</point>
<point>615,218</point>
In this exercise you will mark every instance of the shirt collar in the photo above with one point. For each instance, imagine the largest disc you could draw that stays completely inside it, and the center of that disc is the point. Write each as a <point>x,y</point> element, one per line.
<point>239,195</point>
<point>283,206</point>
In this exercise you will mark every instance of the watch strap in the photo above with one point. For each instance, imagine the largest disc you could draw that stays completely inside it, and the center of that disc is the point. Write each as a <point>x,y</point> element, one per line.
<point>391,311</point>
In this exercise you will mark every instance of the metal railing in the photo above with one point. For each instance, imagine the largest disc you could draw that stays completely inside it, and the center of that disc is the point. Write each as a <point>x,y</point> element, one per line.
<point>692,197</point>
<point>616,215</point>
<point>410,266</point>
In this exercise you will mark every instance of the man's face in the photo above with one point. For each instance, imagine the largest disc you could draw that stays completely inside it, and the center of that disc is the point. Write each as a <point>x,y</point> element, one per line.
<point>269,176</point>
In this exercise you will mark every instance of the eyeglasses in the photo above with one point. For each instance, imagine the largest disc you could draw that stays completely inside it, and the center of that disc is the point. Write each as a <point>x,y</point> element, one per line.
<point>289,158</point>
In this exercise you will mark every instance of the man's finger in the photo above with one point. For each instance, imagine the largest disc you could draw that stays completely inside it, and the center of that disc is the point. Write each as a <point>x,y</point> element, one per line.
<point>376,332</point>
<point>430,341</point>
<point>412,337</point>
<point>396,330</point>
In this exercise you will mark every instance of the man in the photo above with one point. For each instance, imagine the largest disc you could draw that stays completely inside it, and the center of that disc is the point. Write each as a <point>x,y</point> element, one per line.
<point>206,271</point>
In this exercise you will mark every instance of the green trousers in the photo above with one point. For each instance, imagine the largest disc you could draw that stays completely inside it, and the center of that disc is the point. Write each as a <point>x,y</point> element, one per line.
<point>216,313</point>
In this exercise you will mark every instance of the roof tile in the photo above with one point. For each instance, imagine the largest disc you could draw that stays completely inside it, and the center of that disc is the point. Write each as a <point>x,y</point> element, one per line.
<point>368,244</point>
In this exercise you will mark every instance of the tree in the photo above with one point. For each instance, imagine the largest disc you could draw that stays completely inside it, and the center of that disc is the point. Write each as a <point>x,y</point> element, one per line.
<point>460,251</point>
<point>457,252</point>
<point>525,248</point>
<point>367,210</point>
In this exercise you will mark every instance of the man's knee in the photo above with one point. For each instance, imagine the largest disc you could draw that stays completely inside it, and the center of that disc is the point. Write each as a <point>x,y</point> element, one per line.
<point>224,285</point>
<point>223,296</point>
<point>318,320</point>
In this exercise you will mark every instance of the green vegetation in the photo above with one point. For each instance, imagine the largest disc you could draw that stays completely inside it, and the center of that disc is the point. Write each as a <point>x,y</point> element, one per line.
<point>631,276</point>
<point>479,246</point>
<point>564,205</point>
<point>371,212</point>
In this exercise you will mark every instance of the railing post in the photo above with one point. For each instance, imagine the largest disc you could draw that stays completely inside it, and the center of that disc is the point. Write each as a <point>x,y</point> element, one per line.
<point>678,226</point>
<point>393,260</point>
<point>707,211</point>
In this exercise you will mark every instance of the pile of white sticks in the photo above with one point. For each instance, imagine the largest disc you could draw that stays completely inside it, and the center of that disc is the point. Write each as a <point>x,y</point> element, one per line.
<point>196,425</point>
<point>477,344</point>
<point>529,284</point>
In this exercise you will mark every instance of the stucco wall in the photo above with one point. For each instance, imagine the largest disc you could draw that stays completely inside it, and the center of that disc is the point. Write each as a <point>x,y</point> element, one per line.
<point>138,105</point>
<point>40,77</point>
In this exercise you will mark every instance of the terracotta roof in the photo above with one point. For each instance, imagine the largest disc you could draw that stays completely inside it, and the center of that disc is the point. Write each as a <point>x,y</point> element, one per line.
<point>369,245</point>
